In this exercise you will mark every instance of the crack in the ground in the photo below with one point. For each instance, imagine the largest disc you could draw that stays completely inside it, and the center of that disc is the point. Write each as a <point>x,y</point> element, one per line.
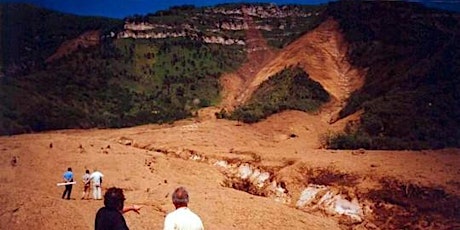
<point>395,205</point>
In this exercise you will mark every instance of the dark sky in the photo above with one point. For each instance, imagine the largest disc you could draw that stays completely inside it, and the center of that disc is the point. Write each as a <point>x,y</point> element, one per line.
<point>123,8</point>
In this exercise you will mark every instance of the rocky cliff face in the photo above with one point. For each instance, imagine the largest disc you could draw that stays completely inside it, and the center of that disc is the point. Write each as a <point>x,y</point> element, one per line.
<point>218,25</point>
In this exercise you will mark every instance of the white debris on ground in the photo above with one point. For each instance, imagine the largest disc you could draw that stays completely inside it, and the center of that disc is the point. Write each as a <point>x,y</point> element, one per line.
<point>259,180</point>
<point>324,198</point>
<point>245,171</point>
<point>308,195</point>
<point>222,164</point>
<point>196,157</point>
<point>256,181</point>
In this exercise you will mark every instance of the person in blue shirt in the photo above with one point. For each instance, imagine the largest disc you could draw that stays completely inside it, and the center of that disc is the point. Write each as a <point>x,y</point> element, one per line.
<point>68,177</point>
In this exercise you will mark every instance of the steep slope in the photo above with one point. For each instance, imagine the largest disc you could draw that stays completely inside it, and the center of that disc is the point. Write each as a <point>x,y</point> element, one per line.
<point>30,34</point>
<point>397,60</point>
<point>410,94</point>
<point>394,62</point>
<point>85,40</point>
<point>98,80</point>
<point>236,85</point>
<point>322,54</point>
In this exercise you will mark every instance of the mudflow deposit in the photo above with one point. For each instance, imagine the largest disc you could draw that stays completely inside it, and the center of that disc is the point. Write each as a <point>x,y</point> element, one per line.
<point>273,174</point>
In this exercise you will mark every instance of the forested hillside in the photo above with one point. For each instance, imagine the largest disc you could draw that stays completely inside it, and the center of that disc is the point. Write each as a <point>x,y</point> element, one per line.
<point>116,84</point>
<point>31,34</point>
<point>158,68</point>
<point>63,71</point>
<point>411,96</point>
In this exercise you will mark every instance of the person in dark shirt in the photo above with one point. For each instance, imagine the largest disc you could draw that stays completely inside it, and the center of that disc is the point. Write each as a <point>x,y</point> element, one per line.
<point>110,217</point>
<point>68,177</point>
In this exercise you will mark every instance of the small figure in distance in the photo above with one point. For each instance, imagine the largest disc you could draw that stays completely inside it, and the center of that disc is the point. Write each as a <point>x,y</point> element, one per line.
<point>87,184</point>
<point>182,218</point>
<point>110,217</point>
<point>14,161</point>
<point>68,177</point>
<point>96,177</point>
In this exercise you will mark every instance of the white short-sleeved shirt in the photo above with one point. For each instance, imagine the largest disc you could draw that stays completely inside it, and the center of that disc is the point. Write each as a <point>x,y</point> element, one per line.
<point>183,219</point>
<point>96,177</point>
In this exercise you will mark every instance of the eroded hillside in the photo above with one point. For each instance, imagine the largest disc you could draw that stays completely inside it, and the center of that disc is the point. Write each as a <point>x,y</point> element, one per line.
<point>236,85</point>
<point>273,174</point>
<point>392,66</point>
<point>322,54</point>
<point>410,95</point>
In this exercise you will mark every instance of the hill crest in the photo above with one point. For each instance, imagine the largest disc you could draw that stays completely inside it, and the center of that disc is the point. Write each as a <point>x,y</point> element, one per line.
<point>360,59</point>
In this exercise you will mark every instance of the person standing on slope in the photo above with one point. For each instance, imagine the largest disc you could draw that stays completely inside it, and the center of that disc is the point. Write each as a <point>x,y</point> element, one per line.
<point>182,218</point>
<point>86,183</point>
<point>96,178</point>
<point>68,177</point>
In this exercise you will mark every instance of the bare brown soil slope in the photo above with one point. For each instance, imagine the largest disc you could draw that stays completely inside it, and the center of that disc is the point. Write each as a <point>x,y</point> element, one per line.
<point>258,54</point>
<point>322,54</point>
<point>148,162</point>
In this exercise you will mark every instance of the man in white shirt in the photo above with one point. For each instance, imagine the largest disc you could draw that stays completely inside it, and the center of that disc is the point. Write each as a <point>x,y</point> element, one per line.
<point>182,218</point>
<point>96,178</point>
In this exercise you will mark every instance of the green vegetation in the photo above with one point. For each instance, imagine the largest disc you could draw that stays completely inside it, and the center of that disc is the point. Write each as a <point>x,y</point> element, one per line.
<point>197,21</point>
<point>122,82</point>
<point>411,94</point>
<point>30,34</point>
<point>288,89</point>
<point>288,23</point>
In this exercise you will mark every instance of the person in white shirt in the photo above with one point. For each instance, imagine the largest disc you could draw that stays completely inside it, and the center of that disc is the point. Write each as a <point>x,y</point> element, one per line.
<point>182,218</point>
<point>96,178</point>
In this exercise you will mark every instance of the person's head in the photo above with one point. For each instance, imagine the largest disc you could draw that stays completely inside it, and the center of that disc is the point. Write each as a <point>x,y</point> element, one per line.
<point>180,197</point>
<point>114,198</point>
<point>69,169</point>
<point>87,171</point>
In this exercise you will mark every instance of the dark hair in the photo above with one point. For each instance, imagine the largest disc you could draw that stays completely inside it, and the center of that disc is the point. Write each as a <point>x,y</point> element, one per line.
<point>87,171</point>
<point>69,169</point>
<point>114,198</point>
<point>180,197</point>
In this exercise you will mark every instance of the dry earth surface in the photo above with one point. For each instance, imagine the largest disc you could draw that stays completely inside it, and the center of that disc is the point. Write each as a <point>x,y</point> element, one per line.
<point>148,162</point>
